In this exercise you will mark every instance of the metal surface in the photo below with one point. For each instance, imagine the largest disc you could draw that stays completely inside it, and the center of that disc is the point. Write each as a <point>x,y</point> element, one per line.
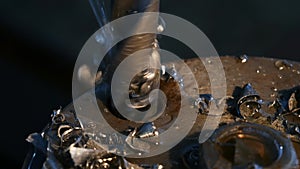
<point>262,73</point>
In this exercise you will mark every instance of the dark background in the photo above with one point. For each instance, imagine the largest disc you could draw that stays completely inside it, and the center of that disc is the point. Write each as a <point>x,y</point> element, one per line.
<point>40,41</point>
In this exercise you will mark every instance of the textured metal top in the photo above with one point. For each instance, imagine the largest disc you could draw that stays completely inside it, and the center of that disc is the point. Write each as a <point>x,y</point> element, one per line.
<point>266,75</point>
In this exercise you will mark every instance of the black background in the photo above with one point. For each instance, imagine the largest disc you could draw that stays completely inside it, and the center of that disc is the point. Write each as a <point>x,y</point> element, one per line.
<point>40,41</point>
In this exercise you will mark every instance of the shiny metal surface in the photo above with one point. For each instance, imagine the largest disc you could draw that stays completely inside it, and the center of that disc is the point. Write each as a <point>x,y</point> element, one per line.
<point>267,79</point>
<point>262,73</point>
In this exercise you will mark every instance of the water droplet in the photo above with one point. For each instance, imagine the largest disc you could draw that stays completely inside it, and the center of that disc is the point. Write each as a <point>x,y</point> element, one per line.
<point>298,72</point>
<point>257,71</point>
<point>272,82</point>
<point>274,89</point>
<point>280,76</point>
<point>102,135</point>
<point>91,125</point>
<point>155,46</point>
<point>279,65</point>
<point>139,154</point>
<point>209,61</point>
<point>161,25</point>
<point>99,38</point>
<point>98,78</point>
<point>163,69</point>
<point>264,74</point>
<point>243,58</point>
<point>160,166</point>
<point>160,28</point>
<point>282,64</point>
<point>259,67</point>
<point>195,69</point>
<point>176,126</point>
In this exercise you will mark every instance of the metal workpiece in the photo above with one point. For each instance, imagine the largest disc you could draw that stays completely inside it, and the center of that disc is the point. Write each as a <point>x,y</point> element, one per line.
<point>274,133</point>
